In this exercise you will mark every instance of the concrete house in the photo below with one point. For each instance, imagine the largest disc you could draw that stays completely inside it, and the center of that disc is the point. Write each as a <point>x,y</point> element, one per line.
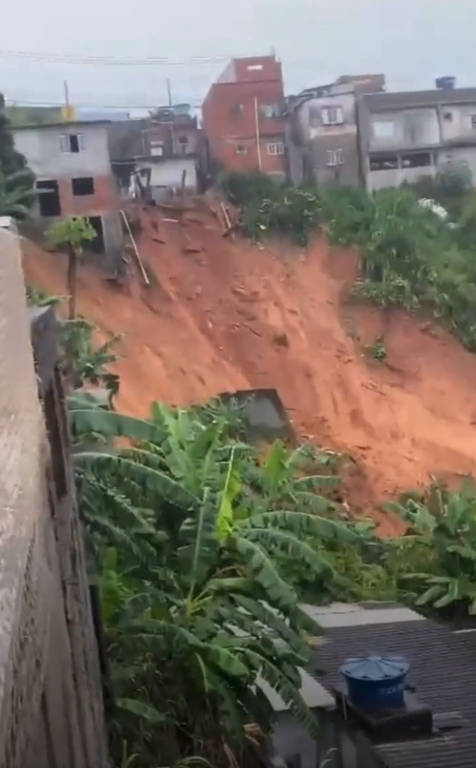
<point>74,178</point>
<point>404,136</point>
<point>321,131</point>
<point>154,157</point>
<point>242,117</point>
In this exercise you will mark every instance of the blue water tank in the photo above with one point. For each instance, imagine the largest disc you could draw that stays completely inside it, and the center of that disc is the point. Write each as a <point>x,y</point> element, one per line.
<point>376,682</point>
<point>446,83</point>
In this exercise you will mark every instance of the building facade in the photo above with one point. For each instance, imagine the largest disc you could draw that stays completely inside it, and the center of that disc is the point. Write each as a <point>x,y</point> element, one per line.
<point>158,157</point>
<point>406,136</point>
<point>321,131</point>
<point>242,117</point>
<point>74,178</point>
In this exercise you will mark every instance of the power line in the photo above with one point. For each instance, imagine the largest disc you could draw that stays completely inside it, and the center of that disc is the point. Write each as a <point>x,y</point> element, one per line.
<point>114,61</point>
<point>20,102</point>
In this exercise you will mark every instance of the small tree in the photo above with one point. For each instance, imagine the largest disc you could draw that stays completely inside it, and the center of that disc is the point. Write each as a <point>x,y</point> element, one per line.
<point>71,235</point>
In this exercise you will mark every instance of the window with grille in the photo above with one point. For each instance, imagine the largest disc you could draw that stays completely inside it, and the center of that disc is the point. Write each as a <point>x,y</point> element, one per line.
<point>332,115</point>
<point>72,142</point>
<point>275,148</point>
<point>335,157</point>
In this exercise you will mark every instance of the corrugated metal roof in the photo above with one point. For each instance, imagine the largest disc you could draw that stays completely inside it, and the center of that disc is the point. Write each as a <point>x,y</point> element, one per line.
<point>443,670</point>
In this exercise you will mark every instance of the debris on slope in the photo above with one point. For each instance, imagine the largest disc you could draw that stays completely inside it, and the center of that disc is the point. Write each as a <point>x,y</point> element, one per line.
<point>235,316</point>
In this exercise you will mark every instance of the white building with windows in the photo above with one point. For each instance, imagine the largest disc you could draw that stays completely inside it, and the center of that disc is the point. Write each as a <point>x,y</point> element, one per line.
<point>410,135</point>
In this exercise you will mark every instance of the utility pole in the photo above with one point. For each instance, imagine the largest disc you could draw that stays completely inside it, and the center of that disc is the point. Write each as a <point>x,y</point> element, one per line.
<point>258,147</point>
<point>66,95</point>
<point>169,91</point>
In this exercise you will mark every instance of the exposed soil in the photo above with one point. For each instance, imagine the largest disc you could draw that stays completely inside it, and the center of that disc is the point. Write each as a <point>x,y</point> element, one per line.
<point>223,315</point>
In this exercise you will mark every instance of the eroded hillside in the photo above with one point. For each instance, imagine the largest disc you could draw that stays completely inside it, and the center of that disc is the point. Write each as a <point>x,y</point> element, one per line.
<point>223,315</point>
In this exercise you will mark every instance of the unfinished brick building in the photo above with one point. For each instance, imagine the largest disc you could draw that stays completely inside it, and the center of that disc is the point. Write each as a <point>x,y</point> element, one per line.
<point>242,117</point>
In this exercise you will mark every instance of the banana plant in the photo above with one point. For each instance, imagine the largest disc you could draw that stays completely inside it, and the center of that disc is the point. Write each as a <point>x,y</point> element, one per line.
<point>442,539</point>
<point>192,590</point>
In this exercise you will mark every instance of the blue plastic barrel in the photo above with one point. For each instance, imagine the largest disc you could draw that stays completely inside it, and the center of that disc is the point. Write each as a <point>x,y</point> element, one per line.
<point>376,682</point>
<point>446,83</point>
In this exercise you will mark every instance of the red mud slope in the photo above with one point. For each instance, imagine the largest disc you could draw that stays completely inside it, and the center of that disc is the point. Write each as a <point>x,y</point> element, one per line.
<point>235,315</point>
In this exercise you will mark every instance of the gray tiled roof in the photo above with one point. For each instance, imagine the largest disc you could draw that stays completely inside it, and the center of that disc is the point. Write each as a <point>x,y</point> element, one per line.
<point>443,670</point>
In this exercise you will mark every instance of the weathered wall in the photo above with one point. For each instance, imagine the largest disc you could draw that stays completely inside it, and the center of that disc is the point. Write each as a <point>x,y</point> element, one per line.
<point>41,147</point>
<point>50,692</point>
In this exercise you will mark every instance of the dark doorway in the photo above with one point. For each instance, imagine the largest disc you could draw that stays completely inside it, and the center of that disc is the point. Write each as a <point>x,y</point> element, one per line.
<point>48,197</point>
<point>96,245</point>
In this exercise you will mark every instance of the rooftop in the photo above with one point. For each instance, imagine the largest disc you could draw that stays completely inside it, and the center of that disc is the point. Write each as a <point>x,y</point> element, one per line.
<point>401,99</point>
<point>443,671</point>
<point>59,124</point>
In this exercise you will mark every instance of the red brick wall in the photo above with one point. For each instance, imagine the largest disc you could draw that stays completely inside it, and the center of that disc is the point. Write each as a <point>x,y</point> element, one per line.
<point>105,197</point>
<point>225,130</point>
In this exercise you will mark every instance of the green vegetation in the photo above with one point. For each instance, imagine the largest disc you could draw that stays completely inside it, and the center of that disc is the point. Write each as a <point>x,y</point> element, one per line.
<point>439,551</point>
<point>271,207</point>
<point>378,350</point>
<point>192,538</point>
<point>71,234</point>
<point>16,180</point>
<point>410,256</point>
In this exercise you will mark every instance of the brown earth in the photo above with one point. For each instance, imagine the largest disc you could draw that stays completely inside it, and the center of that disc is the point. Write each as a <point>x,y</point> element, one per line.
<point>235,315</point>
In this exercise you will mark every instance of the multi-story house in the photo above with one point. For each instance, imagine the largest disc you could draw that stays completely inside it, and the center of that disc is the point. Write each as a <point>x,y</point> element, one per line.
<point>242,117</point>
<point>321,131</point>
<point>161,154</point>
<point>74,178</point>
<point>405,136</point>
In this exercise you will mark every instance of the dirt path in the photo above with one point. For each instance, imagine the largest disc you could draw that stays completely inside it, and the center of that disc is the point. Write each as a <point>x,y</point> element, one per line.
<point>234,316</point>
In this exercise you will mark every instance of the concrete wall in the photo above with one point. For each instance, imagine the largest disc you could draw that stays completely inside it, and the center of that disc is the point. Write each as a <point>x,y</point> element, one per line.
<point>407,128</point>
<point>456,122</point>
<point>309,141</point>
<point>466,155</point>
<point>394,177</point>
<point>168,173</point>
<point>41,147</point>
<point>50,693</point>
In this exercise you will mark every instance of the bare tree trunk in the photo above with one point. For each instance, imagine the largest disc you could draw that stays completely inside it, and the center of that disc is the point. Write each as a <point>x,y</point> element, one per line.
<point>71,279</point>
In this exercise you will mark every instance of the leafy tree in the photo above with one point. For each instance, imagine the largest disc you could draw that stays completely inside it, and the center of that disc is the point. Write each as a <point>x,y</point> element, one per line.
<point>188,543</point>
<point>71,234</point>
<point>16,180</point>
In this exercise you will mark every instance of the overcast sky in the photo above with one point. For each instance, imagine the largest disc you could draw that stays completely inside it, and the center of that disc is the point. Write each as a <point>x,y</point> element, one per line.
<point>411,41</point>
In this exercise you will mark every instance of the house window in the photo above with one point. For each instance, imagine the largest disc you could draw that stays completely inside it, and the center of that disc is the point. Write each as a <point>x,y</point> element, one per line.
<point>448,116</point>
<point>48,197</point>
<point>156,148</point>
<point>275,148</point>
<point>269,110</point>
<point>254,67</point>
<point>383,163</point>
<point>84,185</point>
<point>335,157</point>
<point>72,142</point>
<point>473,121</point>
<point>241,149</point>
<point>332,115</point>
<point>237,110</point>
<point>383,129</point>
<point>416,160</point>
